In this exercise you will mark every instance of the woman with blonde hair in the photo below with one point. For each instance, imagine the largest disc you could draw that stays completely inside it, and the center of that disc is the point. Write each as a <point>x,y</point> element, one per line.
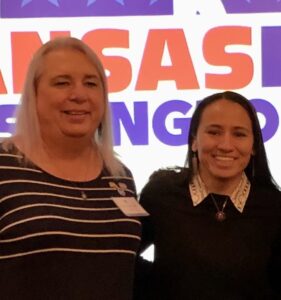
<point>62,235</point>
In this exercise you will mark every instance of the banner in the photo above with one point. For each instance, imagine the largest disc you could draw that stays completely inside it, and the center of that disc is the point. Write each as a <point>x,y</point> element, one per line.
<point>161,58</point>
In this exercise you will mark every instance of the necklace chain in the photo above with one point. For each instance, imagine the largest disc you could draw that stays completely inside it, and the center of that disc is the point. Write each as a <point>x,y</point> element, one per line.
<point>220,214</point>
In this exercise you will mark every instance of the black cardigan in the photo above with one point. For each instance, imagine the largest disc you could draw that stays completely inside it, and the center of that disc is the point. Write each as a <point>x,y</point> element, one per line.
<point>197,257</point>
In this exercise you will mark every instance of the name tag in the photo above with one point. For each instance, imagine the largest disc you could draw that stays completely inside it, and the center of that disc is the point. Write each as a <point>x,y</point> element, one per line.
<point>130,206</point>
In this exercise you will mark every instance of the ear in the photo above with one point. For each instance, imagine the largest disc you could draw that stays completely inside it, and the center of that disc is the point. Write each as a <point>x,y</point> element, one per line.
<point>253,153</point>
<point>194,145</point>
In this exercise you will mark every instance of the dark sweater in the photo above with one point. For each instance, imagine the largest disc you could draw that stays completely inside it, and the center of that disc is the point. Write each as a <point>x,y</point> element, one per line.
<point>197,257</point>
<point>56,245</point>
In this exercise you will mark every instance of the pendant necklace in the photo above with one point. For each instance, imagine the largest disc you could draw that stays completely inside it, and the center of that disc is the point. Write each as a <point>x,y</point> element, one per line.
<point>82,191</point>
<point>79,184</point>
<point>79,187</point>
<point>220,214</point>
<point>83,195</point>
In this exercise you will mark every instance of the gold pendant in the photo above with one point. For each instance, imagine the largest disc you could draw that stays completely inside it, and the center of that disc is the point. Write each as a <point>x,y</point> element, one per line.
<point>220,216</point>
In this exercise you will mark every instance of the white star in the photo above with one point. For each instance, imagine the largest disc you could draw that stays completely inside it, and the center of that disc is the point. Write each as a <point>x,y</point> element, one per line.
<point>55,2</point>
<point>90,2</point>
<point>120,2</point>
<point>25,2</point>
<point>152,2</point>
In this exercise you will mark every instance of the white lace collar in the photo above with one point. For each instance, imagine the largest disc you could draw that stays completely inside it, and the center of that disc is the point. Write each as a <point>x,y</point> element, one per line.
<point>198,191</point>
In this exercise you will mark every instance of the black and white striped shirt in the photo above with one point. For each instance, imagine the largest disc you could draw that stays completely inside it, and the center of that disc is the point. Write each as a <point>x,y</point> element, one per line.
<point>55,244</point>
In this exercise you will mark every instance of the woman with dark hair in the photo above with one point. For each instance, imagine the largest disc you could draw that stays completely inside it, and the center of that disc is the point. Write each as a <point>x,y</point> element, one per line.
<point>257,169</point>
<point>216,224</point>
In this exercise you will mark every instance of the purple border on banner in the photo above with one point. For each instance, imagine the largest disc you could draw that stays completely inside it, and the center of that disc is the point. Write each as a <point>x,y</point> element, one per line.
<point>83,8</point>
<point>251,6</point>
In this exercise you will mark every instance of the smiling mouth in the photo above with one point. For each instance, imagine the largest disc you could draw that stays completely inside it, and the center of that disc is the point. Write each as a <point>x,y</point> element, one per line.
<point>75,113</point>
<point>224,158</point>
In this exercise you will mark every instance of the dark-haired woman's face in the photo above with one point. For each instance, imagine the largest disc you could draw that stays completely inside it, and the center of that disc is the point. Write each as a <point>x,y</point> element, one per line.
<point>224,141</point>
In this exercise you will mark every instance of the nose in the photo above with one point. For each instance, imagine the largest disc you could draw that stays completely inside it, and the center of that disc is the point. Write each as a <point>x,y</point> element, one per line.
<point>225,143</point>
<point>78,93</point>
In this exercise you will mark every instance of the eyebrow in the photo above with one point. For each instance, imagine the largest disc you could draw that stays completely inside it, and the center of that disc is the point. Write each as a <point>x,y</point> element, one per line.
<point>235,127</point>
<point>66,76</point>
<point>92,76</point>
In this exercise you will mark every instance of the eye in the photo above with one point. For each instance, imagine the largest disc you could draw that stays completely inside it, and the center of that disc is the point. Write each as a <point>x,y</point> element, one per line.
<point>61,83</point>
<point>91,83</point>
<point>240,134</point>
<point>213,132</point>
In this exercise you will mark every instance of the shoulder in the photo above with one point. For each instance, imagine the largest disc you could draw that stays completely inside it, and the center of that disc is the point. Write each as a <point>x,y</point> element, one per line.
<point>169,174</point>
<point>130,179</point>
<point>127,171</point>
<point>263,191</point>
<point>166,179</point>
<point>4,148</point>
<point>166,189</point>
<point>121,171</point>
<point>267,197</point>
<point>124,178</point>
<point>8,150</point>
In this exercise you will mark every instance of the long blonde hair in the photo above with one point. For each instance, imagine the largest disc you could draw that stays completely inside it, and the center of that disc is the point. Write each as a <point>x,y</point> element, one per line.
<point>27,124</point>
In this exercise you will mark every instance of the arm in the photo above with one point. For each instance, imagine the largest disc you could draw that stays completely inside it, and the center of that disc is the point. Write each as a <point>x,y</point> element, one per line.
<point>143,269</point>
<point>275,267</point>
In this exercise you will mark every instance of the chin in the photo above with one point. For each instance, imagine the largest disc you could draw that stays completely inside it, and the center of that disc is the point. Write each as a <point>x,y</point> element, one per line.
<point>77,134</point>
<point>227,175</point>
<point>75,130</point>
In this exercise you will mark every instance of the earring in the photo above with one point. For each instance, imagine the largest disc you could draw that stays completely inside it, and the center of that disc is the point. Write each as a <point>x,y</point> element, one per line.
<point>100,129</point>
<point>194,160</point>
<point>253,168</point>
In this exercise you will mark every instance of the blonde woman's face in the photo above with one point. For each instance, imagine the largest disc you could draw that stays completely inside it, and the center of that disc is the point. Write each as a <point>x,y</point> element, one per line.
<point>70,97</point>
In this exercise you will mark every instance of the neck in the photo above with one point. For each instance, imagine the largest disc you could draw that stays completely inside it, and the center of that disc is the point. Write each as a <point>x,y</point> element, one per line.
<point>75,160</point>
<point>68,147</point>
<point>221,186</point>
<point>71,150</point>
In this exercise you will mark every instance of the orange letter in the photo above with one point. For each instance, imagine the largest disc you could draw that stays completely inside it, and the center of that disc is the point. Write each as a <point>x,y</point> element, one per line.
<point>181,69</point>
<point>119,68</point>
<point>55,34</point>
<point>215,53</point>
<point>24,44</point>
<point>3,89</point>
